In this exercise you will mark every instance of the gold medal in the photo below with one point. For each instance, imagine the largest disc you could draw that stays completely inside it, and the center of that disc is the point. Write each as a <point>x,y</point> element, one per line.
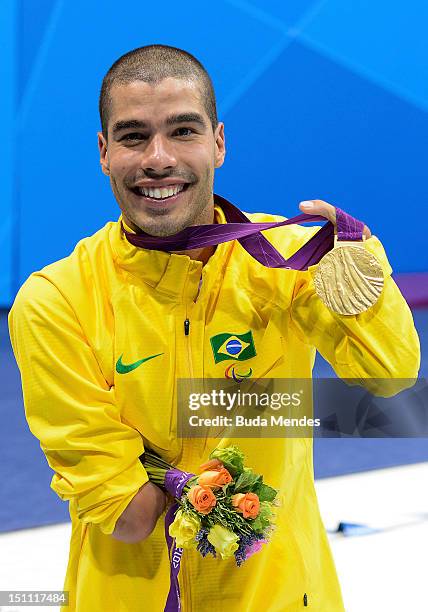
<point>349,279</point>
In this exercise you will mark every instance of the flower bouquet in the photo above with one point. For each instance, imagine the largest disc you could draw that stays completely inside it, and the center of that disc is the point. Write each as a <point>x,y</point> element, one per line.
<point>225,511</point>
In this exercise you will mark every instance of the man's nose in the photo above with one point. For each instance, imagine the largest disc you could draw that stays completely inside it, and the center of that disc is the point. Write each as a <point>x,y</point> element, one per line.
<point>158,154</point>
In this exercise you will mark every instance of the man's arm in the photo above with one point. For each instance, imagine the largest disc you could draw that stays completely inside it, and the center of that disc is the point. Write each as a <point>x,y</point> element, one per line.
<point>378,344</point>
<point>73,411</point>
<point>139,519</point>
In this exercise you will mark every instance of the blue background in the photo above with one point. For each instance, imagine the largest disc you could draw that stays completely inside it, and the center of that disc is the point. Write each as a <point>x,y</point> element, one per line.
<point>320,99</point>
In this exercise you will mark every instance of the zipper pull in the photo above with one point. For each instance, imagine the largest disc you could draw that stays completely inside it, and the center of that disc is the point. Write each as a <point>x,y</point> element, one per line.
<point>305,600</point>
<point>186,327</point>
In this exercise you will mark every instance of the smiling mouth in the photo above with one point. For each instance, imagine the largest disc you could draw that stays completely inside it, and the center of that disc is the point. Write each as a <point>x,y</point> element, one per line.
<point>160,194</point>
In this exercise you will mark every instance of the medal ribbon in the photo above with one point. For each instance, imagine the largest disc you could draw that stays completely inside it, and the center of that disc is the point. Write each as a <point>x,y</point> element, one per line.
<point>175,481</point>
<point>248,234</point>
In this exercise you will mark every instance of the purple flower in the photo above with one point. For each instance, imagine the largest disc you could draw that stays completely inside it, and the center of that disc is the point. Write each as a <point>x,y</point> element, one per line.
<point>255,547</point>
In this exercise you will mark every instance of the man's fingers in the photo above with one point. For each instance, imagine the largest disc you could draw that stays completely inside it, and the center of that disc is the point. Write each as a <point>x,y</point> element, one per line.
<point>319,207</point>
<point>366,232</point>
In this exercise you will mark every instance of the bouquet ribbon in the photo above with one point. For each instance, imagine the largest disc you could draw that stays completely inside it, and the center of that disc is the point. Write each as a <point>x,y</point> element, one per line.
<point>175,481</point>
<point>249,235</point>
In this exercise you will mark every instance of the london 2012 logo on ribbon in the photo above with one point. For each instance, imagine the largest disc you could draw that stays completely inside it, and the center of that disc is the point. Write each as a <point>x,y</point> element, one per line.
<point>236,347</point>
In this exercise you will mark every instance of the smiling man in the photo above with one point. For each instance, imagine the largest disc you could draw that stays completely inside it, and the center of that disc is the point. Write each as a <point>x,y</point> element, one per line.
<point>102,337</point>
<point>174,121</point>
<point>164,198</point>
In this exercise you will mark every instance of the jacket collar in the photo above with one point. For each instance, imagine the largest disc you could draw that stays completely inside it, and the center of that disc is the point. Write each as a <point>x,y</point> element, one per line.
<point>176,276</point>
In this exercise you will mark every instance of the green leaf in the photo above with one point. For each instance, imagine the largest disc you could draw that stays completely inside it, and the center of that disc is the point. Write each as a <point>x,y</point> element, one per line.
<point>226,487</point>
<point>231,457</point>
<point>266,493</point>
<point>247,481</point>
<point>263,519</point>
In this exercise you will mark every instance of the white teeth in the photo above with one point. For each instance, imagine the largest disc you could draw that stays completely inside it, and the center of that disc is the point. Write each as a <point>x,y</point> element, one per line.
<point>161,192</point>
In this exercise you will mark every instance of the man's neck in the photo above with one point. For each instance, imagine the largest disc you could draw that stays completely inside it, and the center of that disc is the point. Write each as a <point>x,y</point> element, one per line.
<point>198,254</point>
<point>202,254</point>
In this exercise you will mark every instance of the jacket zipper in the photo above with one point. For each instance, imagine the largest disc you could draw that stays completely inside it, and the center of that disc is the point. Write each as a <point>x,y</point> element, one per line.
<point>189,348</point>
<point>185,597</point>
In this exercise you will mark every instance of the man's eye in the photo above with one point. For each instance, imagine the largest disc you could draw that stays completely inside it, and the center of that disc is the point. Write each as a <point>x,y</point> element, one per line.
<point>184,129</point>
<point>132,136</point>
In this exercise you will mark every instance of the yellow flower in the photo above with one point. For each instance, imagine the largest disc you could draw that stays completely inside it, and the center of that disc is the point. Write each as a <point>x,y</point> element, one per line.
<point>183,529</point>
<point>224,541</point>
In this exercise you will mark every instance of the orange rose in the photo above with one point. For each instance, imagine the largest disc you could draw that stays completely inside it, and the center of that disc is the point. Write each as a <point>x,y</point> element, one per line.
<point>202,499</point>
<point>212,464</point>
<point>214,479</point>
<point>247,504</point>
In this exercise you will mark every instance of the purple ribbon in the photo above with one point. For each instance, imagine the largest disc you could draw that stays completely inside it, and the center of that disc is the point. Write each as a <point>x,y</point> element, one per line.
<point>248,234</point>
<point>175,481</point>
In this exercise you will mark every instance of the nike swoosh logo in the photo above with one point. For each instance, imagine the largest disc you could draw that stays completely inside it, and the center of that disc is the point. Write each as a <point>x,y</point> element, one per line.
<point>122,368</point>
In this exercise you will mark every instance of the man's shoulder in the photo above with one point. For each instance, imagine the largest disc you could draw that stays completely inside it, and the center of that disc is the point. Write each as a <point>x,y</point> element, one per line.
<point>72,275</point>
<point>93,248</point>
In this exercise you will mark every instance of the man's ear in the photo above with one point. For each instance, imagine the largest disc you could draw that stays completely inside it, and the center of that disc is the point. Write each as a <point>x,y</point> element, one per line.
<point>220,145</point>
<point>102,146</point>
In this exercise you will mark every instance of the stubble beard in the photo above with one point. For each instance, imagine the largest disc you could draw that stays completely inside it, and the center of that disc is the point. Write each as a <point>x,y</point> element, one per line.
<point>159,221</point>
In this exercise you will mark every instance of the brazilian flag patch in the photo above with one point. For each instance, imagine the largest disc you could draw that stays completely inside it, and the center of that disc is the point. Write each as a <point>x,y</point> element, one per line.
<point>233,346</point>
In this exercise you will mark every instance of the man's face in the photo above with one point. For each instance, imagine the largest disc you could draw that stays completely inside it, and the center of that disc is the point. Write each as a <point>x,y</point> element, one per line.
<point>160,155</point>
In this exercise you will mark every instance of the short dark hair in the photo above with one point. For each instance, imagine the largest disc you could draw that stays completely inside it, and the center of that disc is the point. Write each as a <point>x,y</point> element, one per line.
<point>152,64</point>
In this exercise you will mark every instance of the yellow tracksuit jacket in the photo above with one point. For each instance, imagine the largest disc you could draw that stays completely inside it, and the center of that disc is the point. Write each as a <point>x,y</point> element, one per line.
<point>73,320</point>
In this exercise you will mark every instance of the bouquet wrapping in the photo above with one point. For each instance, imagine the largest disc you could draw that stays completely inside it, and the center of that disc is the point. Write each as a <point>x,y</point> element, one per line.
<point>226,511</point>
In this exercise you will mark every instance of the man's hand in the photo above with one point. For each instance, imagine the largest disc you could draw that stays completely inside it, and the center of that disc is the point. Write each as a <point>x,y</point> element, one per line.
<point>139,518</point>
<point>319,207</point>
